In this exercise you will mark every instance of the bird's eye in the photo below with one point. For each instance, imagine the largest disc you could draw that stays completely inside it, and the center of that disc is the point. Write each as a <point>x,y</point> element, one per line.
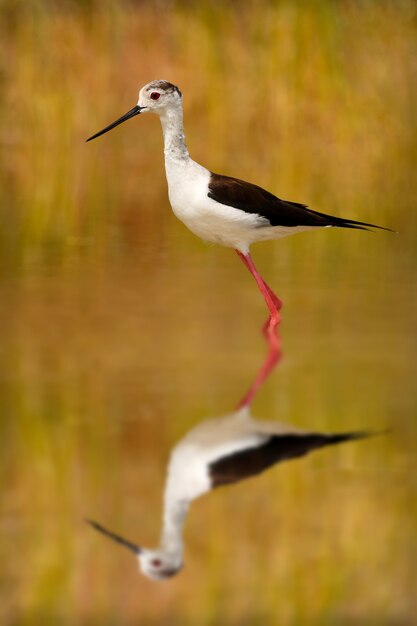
<point>156,562</point>
<point>155,95</point>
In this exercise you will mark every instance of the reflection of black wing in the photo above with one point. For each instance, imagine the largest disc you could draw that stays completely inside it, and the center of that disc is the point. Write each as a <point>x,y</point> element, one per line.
<point>251,461</point>
<point>253,199</point>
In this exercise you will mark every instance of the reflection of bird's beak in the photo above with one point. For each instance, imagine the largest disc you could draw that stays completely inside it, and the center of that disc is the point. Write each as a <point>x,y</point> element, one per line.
<point>124,542</point>
<point>135,111</point>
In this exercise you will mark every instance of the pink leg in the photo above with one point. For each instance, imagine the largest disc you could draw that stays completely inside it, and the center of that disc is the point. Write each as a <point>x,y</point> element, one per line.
<point>274,304</point>
<point>278,305</point>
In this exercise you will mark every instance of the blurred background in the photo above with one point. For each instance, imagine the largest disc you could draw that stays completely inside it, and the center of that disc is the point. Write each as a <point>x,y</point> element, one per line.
<point>121,330</point>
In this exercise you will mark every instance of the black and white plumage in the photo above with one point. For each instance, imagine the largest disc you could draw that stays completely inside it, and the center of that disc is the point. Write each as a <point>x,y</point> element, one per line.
<point>218,452</point>
<point>250,198</point>
<point>220,208</point>
<point>226,210</point>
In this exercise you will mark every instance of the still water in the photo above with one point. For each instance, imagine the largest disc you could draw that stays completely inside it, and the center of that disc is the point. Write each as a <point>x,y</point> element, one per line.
<point>120,330</point>
<point>106,362</point>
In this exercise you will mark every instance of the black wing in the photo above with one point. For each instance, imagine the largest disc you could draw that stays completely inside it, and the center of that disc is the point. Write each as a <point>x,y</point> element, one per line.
<point>253,199</point>
<point>252,461</point>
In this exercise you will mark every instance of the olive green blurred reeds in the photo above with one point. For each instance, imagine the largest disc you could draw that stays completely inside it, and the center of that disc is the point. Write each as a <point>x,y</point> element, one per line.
<point>119,330</point>
<point>320,96</point>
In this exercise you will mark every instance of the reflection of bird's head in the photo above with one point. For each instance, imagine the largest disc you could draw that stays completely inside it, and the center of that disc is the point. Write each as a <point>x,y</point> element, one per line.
<point>159,565</point>
<point>155,564</point>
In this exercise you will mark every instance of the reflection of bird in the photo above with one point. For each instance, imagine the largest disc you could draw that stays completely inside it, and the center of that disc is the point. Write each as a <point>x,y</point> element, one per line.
<point>218,452</point>
<point>225,210</point>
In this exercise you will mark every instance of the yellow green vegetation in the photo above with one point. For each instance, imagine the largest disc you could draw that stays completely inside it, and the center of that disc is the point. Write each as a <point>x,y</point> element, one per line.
<point>121,330</point>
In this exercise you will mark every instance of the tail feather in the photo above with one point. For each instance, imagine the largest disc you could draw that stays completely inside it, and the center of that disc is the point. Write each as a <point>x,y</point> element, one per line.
<point>340,222</point>
<point>328,440</point>
<point>343,223</point>
<point>309,442</point>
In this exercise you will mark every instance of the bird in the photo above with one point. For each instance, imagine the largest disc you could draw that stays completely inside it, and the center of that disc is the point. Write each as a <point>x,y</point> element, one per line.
<point>217,452</point>
<point>226,210</point>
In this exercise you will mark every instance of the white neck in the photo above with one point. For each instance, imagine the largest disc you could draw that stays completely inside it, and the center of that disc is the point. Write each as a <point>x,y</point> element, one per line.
<point>174,138</point>
<point>174,517</point>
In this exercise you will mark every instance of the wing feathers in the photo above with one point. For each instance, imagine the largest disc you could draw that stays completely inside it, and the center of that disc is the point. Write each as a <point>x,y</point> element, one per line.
<point>252,461</point>
<point>253,199</point>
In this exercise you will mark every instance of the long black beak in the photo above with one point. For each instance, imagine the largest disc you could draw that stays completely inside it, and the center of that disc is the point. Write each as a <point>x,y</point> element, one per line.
<point>135,111</point>
<point>124,542</point>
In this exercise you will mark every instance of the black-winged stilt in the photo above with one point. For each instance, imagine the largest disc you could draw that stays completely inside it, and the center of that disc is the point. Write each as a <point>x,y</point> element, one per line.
<point>226,210</point>
<point>218,452</point>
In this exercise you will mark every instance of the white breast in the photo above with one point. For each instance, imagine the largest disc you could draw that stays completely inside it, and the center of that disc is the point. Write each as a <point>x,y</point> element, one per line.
<point>187,476</point>
<point>188,188</point>
<point>188,470</point>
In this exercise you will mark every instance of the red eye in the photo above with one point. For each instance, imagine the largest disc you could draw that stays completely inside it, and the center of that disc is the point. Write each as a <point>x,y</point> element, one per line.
<point>156,562</point>
<point>155,95</point>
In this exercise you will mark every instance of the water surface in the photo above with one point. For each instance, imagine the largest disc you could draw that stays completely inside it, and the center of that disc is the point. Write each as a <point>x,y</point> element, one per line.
<point>120,330</point>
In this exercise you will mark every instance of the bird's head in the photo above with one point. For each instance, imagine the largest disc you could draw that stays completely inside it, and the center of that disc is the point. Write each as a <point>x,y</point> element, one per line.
<point>159,565</point>
<point>155,564</point>
<point>158,97</point>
